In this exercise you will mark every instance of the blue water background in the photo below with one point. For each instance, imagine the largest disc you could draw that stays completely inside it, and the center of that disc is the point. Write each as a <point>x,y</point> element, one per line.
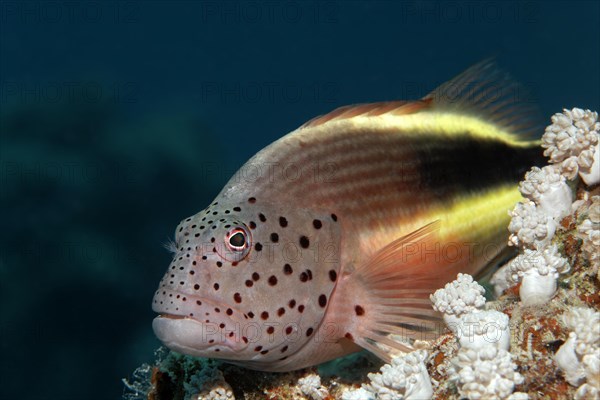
<point>119,119</point>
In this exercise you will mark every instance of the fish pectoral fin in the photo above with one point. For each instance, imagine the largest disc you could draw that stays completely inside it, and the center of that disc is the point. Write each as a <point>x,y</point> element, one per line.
<point>391,294</point>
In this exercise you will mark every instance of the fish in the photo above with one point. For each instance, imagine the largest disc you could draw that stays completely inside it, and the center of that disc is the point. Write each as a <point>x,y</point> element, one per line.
<point>331,239</point>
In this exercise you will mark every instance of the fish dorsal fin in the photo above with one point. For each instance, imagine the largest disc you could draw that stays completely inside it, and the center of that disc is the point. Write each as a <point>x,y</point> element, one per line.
<point>486,91</point>
<point>370,110</point>
<point>483,91</point>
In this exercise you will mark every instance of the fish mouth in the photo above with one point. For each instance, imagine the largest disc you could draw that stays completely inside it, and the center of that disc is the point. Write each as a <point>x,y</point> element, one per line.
<point>200,330</point>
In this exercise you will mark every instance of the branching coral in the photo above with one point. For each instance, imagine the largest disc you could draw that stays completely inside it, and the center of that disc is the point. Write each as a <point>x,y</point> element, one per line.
<point>405,377</point>
<point>459,297</point>
<point>579,356</point>
<point>530,227</point>
<point>572,141</point>
<point>487,373</point>
<point>537,270</point>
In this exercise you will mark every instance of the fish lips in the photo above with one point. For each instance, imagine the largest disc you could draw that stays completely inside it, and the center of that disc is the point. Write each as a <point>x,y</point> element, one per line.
<point>189,336</point>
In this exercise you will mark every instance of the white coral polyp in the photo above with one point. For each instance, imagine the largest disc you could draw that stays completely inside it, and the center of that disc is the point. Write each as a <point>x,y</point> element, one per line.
<point>572,141</point>
<point>484,328</point>
<point>549,190</point>
<point>459,297</point>
<point>589,165</point>
<point>487,373</point>
<point>530,227</point>
<point>579,356</point>
<point>311,386</point>
<point>405,378</point>
<point>537,271</point>
<point>358,394</point>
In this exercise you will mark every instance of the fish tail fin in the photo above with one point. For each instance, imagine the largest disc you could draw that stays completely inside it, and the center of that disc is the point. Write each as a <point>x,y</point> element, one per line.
<point>391,298</point>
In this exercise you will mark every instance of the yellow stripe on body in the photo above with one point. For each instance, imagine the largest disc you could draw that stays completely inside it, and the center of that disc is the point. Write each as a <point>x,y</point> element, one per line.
<point>476,224</point>
<point>445,124</point>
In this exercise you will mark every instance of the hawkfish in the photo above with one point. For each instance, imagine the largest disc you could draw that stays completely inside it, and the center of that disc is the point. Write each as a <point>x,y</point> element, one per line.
<point>331,239</point>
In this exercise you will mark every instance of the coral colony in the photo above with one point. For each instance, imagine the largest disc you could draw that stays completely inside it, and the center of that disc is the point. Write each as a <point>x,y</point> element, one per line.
<point>539,339</point>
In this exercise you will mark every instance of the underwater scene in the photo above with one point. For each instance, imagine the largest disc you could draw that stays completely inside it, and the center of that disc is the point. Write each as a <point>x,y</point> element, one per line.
<point>308,200</point>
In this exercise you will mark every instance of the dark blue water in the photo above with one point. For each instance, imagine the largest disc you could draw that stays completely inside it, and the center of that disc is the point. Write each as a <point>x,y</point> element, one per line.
<point>118,119</point>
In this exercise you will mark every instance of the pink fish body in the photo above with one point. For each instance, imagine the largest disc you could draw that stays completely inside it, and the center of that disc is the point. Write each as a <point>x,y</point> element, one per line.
<point>345,228</point>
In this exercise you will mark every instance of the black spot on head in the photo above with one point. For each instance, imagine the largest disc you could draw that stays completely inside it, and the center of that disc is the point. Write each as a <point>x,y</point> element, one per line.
<point>300,308</point>
<point>196,286</point>
<point>274,237</point>
<point>238,209</point>
<point>359,310</point>
<point>322,300</point>
<point>304,242</point>
<point>264,352</point>
<point>258,247</point>
<point>281,311</point>
<point>219,264</point>
<point>249,283</point>
<point>303,277</point>
<point>198,302</point>
<point>309,331</point>
<point>334,217</point>
<point>251,200</point>
<point>237,297</point>
<point>348,335</point>
<point>262,217</point>
<point>270,330</point>
<point>288,330</point>
<point>317,224</point>
<point>332,275</point>
<point>229,311</point>
<point>284,349</point>
<point>283,222</point>
<point>252,225</point>
<point>251,314</point>
<point>292,303</point>
<point>255,276</point>
<point>258,348</point>
<point>287,269</point>
<point>272,280</point>
<point>216,286</point>
<point>264,315</point>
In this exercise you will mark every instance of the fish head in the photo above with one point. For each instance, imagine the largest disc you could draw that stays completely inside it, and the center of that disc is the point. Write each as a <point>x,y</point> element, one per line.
<point>249,282</point>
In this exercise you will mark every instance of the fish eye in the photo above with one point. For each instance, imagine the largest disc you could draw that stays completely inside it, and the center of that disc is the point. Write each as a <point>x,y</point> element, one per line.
<point>237,243</point>
<point>237,239</point>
